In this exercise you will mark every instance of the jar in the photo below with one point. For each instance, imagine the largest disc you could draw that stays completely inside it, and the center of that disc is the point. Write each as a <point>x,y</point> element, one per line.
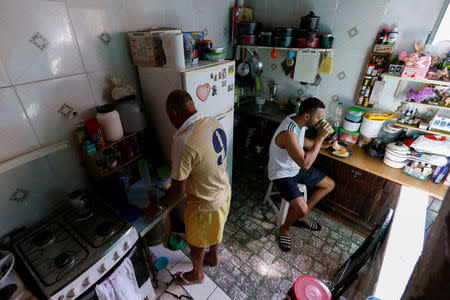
<point>204,48</point>
<point>131,114</point>
<point>109,119</point>
<point>110,159</point>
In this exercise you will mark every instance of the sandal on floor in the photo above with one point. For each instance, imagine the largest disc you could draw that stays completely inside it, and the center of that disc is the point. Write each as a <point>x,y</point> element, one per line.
<point>183,281</point>
<point>285,243</point>
<point>313,225</point>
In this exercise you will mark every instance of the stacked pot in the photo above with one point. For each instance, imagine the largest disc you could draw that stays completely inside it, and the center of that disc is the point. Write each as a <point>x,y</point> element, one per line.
<point>283,36</point>
<point>248,32</point>
<point>308,34</point>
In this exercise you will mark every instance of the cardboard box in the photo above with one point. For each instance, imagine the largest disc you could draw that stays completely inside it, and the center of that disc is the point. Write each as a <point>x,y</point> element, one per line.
<point>383,48</point>
<point>146,47</point>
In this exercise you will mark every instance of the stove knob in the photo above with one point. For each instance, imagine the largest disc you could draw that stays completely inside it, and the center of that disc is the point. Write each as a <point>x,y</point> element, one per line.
<point>102,268</point>
<point>125,246</point>
<point>71,294</point>
<point>86,282</point>
<point>116,256</point>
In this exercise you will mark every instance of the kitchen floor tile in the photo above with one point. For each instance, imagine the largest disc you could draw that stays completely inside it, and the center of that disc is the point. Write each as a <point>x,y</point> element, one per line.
<point>173,256</point>
<point>218,294</point>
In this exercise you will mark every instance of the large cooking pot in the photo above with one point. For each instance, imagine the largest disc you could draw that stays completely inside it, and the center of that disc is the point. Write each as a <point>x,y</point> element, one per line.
<point>264,38</point>
<point>247,39</point>
<point>284,31</point>
<point>281,41</point>
<point>306,42</point>
<point>248,27</point>
<point>308,33</point>
<point>310,21</point>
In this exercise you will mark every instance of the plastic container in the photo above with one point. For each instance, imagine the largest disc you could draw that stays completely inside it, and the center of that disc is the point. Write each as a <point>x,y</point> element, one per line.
<point>371,128</point>
<point>355,114</point>
<point>131,114</point>
<point>389,133</point>
<point>392,37</point>
<point>216,56</point>
<point>337,118</point>
<point>351,126</point>
<point>109,119</point>
<point>350,137</point>
<point>176,242</point>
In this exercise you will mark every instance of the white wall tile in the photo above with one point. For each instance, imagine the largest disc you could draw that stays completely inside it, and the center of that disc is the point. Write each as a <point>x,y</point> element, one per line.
<point>4,80</point>
<point>24,62</point>
<point>44,194</point>
<point>90,20</point>
<point>16,133</point>
<point>42,101</point>
<point>179,14</point>
<point>101,82</point>
<point>143,14</point>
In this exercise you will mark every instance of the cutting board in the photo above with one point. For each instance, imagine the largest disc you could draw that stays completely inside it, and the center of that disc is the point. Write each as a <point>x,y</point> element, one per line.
<point>306,65</point>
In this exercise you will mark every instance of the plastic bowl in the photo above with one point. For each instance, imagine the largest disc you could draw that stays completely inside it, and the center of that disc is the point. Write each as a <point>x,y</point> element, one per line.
<point>161,263</point>
<point>176,242</point>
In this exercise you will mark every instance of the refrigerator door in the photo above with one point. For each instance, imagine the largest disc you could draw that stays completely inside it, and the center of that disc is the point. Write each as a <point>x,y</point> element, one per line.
<point>211,87</point>
<point>227,121</point>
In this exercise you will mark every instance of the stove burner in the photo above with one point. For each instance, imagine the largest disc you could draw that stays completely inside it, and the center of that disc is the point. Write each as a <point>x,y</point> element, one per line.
<point>104,229</point>
<point>63,259</point>
<point>84,215</point>
<point>43,238</point>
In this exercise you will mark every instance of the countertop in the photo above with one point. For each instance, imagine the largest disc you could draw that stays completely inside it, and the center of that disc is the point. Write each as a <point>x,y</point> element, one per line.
<point>137,196</point>
<point>363,161</point>
<point>359,158</point>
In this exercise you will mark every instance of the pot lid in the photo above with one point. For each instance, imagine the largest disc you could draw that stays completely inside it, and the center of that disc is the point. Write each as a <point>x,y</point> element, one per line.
<point>310,288</point>
<point>398,146</point>
<point>103,109</point>
<point>311,15</point>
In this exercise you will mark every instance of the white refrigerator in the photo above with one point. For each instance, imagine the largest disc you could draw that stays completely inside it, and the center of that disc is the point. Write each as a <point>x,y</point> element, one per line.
<point>211,86</point>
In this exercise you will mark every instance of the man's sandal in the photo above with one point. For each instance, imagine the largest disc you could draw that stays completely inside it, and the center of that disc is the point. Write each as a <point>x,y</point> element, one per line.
<point>313,225</point>
<point>285,243</point>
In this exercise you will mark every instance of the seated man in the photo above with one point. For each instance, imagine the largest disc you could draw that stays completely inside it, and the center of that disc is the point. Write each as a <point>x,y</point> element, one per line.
<point>290,163</point>
<point>199,169</point>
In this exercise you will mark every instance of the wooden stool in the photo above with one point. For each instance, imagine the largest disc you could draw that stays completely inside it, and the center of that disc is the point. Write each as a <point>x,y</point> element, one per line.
<point>284,207</point>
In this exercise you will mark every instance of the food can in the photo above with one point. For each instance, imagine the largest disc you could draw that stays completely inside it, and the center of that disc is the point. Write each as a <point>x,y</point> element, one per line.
<point>367,92</point>
<point>367,80</point>
<point>360,100</point>
<point>370,69</point>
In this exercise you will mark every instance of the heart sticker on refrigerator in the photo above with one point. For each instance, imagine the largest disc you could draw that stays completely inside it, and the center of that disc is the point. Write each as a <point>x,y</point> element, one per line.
<point>202,92</point>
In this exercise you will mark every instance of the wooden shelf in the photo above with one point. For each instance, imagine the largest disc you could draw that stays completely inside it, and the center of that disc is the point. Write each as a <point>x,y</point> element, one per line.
<point>428,81</point>
<point>110,144</point>
<point>428,105</point>
<point>287,49</point>
<point>121,165</point>
<point>30,156</point>
<point>416,127</point>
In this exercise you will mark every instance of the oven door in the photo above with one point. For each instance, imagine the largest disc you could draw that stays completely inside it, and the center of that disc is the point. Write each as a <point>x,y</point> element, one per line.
<point>141,271</point>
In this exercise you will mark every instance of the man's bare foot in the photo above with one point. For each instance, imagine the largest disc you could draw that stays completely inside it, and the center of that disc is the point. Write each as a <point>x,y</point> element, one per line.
<point>187,278</point>
<point>211,260</point>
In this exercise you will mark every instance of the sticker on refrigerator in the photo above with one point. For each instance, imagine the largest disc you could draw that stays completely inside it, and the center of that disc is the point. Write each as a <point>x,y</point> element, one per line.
<point>224,73</point>
<point>220,75</point>
<point>230,70</point>
<point>214,90</point>
<point>211,75</point>
<point>224,83</point>
<point>215,77</point>
<point>202,92</point>
<point>230,87</point>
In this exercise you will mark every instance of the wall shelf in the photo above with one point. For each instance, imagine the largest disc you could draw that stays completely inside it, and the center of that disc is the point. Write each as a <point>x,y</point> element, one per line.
<point>427,81</point>
<point>416,127</point>
<point>287,49</point>
<point>33,155</point>
<point>428,105</point>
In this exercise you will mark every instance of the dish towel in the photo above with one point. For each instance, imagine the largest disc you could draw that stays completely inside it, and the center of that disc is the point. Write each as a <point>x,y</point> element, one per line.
<point>121,285</point>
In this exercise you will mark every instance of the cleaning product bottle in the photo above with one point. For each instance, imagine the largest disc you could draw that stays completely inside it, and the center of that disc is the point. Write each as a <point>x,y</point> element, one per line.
<point>392,37</point>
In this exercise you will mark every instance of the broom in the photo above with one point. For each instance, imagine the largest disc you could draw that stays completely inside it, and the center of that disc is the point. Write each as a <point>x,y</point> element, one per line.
<point>326,66</point>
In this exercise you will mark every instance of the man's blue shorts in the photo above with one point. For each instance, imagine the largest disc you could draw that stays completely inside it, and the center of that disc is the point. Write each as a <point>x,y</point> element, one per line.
<point>288,186</point>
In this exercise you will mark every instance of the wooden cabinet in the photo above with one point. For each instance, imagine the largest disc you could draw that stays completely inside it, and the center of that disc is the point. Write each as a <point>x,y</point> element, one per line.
<point>359,197</point>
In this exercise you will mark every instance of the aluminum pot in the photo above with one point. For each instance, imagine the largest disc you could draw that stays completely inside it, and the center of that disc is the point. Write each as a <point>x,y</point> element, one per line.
<point>281,41</point>
<point>247,39</point>
<point>284,31</point>
<point>248,27</point>
<point>304,42</point>
<point>309,22</point>
<point>264,38</point>
<point>308,33</point>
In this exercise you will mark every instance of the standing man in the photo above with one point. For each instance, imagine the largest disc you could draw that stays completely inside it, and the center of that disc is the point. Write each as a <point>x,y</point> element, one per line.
<point>290,164</point>
<point>199,151</point>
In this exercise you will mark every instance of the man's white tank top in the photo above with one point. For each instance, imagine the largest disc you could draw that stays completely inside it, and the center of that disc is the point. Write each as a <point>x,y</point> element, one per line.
<point>281,165</point>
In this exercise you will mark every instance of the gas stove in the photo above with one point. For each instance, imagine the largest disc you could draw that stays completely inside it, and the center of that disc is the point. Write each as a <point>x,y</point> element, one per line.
<point>70,252</point>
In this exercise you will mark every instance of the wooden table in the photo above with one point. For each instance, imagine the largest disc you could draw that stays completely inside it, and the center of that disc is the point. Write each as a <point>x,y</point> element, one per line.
<point>360,159</point>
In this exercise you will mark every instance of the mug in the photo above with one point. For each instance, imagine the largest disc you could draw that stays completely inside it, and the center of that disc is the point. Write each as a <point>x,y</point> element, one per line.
<point>326,41</point>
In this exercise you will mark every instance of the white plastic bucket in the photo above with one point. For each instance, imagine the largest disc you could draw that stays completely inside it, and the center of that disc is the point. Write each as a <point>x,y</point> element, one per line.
<point>371,128</point>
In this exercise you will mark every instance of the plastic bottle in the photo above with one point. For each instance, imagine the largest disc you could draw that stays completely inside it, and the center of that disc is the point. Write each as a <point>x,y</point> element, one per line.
<point>145,174</point>
<point>392,37</point>
<point>79,127</point>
